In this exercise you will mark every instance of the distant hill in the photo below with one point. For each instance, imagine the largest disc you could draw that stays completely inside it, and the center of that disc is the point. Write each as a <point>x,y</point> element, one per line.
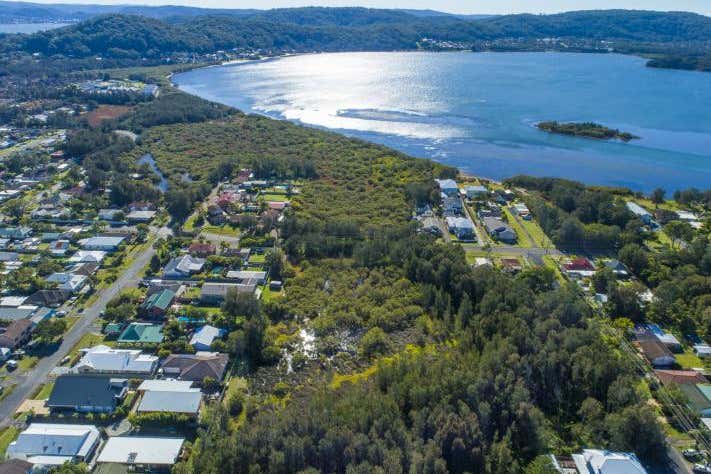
<point>346,29</point>
<point>26,12</point>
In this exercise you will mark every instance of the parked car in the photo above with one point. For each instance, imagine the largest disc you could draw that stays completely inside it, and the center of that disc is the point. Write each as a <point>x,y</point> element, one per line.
<point>61,313</point>
<point>11,364</point>
<point>691,454</point>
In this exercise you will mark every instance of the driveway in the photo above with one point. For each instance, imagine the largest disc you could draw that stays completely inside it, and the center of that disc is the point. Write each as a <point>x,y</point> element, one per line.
<point>30,381</point>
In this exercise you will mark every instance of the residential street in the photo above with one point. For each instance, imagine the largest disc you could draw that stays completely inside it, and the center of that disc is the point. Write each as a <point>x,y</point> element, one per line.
<point>31,380</point>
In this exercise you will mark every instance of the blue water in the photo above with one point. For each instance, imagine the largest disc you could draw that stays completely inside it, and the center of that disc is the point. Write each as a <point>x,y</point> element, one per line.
<point>477,111</point>
<point>29,27</point>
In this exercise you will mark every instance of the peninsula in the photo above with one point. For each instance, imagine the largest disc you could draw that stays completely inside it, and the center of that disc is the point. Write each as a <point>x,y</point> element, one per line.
<point>585,129</point>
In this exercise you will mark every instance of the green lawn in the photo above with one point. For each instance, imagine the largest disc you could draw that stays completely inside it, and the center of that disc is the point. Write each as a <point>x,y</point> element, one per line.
<point>45,390</point>
<point>87,340</point>
<point>540,238</point>
<point>274,197</point>
<point>523,240</point>
<point>257,258</point>
<point>7,436</point>
<point>226,229</point>
<point>688,360</point>
<point>189,225</point>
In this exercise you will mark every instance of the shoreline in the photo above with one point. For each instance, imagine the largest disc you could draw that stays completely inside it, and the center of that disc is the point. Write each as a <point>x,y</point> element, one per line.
<point>464,169</point>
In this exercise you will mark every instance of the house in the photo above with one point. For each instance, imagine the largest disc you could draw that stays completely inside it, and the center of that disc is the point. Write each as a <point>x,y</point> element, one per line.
<point>430,225</point>
<point>141,453</point>
<point>68,281</point>
<point>169,396</point>
<point>202,338</point>
<point>16,334</point>
<point>183,267</point>
<point>702,350</point>
<point>109,214</point>
<point>248,276</point>
<point>202,249</point>
<point>482,262</point>
<point>168,385</point>
<point>104,359</point>
<point>49,298</point>
<point>59,248</point>
<point>475,192</point>
<point>618,268</point>
<point>656,352</point>
<point>522,211</point>
<point>141,206</point>
<point>54,444</point>
<point>462,227</point>
<point>214,293</point>
<point>137,217</point>
<point>157,304</point>
<point>511,265</point>
<point>597,461</point>
<point>85,268</point>
<point>15,233</point>
<point>12,301</point>
<point>579,268</point>
<point>699,396</point>
<point>643,214</point>
<point>665,338</point>
<point>103,243</point>
<point>87,393</point>
<point>448,187</point>
<point>34,313</point>
<point>452,206</point>
<point>679,377</point>
<point>88,256</point>
<point>499,230</point>
<point>195,367</point>
<point>142,333</point>
<point>7,257</point>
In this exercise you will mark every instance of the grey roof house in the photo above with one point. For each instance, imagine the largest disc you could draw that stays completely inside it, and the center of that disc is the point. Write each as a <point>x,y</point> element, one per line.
<point>87,393</point>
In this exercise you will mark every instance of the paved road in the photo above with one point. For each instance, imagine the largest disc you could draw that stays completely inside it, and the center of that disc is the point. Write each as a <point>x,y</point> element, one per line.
<point>30,381</point>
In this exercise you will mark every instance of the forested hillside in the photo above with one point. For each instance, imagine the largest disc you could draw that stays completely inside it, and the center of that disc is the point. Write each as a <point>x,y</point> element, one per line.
<point>330,29</point>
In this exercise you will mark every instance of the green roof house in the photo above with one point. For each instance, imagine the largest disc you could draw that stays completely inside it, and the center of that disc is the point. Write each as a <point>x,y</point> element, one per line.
<point>699,396</point>
<point>157,304</point>
<point>142,333</point>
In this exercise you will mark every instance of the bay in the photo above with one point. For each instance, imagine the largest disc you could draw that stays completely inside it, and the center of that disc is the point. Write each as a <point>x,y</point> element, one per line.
<point>29,27</point>
<point>477,111</point>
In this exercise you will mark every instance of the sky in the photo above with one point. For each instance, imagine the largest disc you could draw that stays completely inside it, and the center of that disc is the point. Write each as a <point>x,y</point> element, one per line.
<point>454,6</point>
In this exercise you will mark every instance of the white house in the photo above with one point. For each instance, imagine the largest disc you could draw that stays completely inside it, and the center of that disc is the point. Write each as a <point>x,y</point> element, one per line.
<point>68,281</point>
<point>247,276</point>
<point>203,338</point>
<point>597,461</point>
<point>169,396</point>
<point>106,359</point>
<point>105,243</point>
<point>54,444</point>
<point>88,256</point>
<point>141,451</point>
<point>183,267</point>
<point>448,187</point>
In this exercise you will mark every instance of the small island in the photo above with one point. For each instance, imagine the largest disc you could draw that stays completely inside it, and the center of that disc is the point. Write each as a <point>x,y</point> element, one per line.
<point>585,129</point>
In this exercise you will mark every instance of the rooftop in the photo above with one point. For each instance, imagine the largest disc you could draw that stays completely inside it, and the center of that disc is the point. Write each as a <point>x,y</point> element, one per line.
<point>141,450</point>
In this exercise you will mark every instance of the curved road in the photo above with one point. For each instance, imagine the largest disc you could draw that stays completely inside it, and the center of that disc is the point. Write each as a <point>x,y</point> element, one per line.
<point>30,381</point>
